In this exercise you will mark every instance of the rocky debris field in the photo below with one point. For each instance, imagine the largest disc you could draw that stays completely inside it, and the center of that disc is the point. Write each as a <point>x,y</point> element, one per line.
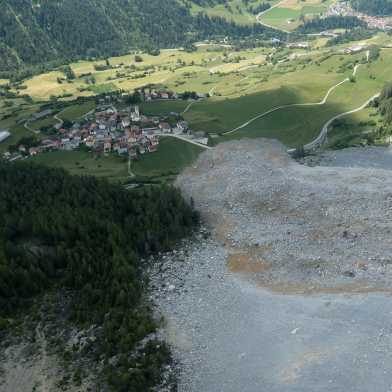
<point>229,335</point>
<point>43,351</point>
<point>294,228</point>
<point>366,157</point>
<point>287,289</point>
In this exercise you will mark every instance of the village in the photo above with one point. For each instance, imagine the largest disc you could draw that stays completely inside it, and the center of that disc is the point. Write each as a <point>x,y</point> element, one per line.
<point>110,130</point>
<point>344,9</point>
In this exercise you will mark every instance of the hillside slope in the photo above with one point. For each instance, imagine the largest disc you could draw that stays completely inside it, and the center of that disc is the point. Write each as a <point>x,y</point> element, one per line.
<point>373,7</point>
<point>83,239</point>
<point>36,31</point>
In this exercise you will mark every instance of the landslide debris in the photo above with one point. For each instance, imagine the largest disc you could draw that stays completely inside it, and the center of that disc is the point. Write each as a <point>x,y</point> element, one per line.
<point>291,227</point>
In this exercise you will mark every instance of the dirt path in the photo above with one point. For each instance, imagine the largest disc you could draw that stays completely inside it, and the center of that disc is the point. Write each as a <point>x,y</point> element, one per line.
<point>186,110</point>
<point>130,172</point>
<point>60,121</point>
<point>27,126</point>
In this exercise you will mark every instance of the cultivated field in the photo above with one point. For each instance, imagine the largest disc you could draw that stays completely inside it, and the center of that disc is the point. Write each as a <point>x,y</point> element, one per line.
<point>289,14</point>
<point>235,10</point>
<point>243,86</point>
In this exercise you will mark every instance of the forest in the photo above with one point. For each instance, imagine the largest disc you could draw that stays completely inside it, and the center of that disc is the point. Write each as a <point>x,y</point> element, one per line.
<point>373,7</point>
<point>38,32</point>
<point>89,237</point>
<point>332,22</point>
<point>384,104</point>
<point>356,34</point>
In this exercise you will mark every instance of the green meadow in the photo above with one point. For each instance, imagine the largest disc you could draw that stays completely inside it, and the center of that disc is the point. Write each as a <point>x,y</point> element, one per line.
<point>172,156</point>
<point>233,10</point>
<point>82,163</point>
<point>74,112</point>
<point>243,84</point>
<point>291,13</point>
<point>300,125</point>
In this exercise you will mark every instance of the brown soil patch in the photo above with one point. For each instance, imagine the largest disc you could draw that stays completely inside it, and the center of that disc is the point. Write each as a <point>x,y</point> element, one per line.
<point>293,372</point>
<point>244,263</point>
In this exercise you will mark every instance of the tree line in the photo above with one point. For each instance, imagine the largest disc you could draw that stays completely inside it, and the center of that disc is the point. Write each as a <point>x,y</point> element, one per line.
<point>373,7</point>
<point>89,236</point>
<point>330,23</point>
<point>59,32</point>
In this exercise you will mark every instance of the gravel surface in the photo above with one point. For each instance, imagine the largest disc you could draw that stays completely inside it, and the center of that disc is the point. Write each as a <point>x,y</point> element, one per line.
<point>291,225</point>
<point>229,335</point>
<point>291,292</point>
<point>367,157</point>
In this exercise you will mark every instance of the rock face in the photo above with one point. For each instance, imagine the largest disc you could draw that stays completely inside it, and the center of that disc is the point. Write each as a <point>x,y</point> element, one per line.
<point>294,228</point>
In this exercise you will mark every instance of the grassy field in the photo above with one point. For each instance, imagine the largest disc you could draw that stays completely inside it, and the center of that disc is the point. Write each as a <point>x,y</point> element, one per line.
<point>86,163</point>
<point>74,112</point>
<point>234,10</point>
<point>291,13</point>
<point>299,125</point>
<point>13,113</point>
<point>173,155</point>
<point>42,123</point>
<point>244,84</point>
<point>354,130</point>
<point>264,90</point>
<point>175,69</point>
<point>163,107</point>
<point>17,132</point>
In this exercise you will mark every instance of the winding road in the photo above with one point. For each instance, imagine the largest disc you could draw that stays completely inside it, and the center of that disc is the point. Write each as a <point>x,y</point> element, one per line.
<point>268,10</point>
<point>27,126</point>
<point>275,109</point>
<point>324,131</point>
<point>60,121</point>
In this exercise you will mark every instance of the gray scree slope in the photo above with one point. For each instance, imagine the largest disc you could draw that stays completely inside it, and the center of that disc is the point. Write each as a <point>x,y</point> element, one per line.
<point>292,292</point>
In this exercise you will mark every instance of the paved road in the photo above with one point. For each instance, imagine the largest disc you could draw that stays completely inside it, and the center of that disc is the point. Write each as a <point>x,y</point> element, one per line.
<point>268,10</point>
<point>187,140</point>
<point>322,102</point>
<point>324,131</point>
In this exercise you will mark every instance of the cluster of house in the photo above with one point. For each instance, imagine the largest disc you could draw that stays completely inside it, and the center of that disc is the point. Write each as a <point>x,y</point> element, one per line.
<point>344,9</point>
<point>298,45</point>
<point>108,130</point>
<point>126,132</point>
<point>151,94</point>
